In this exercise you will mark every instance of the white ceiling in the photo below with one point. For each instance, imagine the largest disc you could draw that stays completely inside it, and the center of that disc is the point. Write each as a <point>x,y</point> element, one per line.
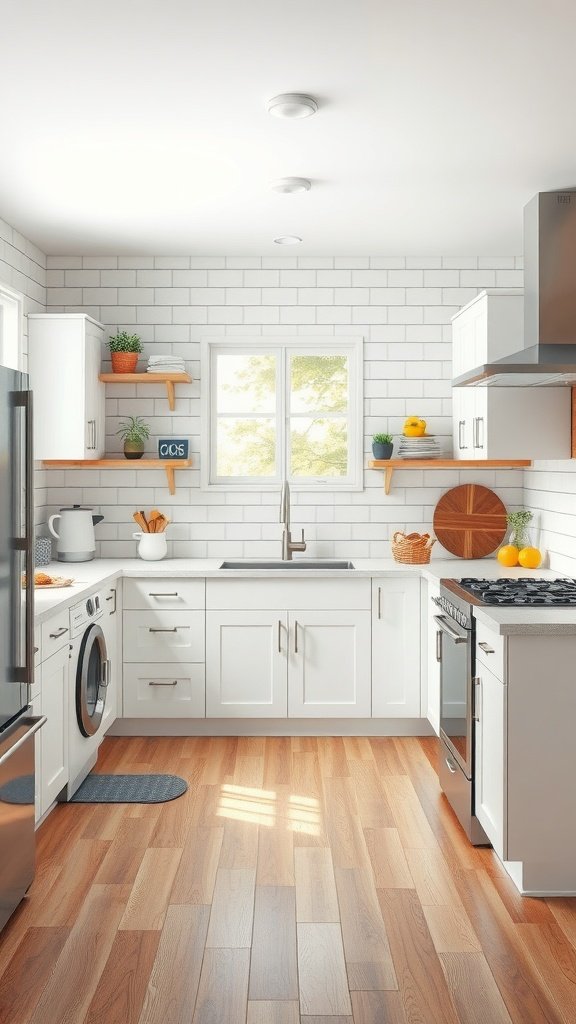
<point>138,126</point>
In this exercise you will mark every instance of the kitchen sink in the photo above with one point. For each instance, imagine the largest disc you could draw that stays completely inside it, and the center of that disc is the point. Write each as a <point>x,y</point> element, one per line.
<point>297,563</point>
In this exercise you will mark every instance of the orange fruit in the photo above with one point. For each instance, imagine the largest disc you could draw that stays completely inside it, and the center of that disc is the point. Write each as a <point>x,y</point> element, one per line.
<point>508,555</point>
<point>529,558</point>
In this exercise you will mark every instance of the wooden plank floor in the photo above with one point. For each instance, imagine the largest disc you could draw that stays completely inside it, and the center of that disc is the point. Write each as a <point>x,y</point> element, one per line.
<point>298,881</point>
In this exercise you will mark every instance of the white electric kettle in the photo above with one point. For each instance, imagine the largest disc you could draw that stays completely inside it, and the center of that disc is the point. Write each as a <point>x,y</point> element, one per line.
<point>76,541</point>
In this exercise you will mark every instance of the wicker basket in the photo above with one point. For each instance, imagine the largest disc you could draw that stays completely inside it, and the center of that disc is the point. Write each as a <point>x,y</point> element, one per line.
<point>412,548</point>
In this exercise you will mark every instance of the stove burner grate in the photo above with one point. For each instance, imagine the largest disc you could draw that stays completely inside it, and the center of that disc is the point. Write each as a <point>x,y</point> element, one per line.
<point>522,592</point>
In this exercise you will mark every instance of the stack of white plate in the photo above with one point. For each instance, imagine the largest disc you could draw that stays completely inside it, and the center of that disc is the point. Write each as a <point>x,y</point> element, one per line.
<point>426,447</point>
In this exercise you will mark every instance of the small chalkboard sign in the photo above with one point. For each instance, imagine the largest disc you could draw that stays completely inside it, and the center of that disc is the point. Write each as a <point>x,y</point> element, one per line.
<point>173,448</point>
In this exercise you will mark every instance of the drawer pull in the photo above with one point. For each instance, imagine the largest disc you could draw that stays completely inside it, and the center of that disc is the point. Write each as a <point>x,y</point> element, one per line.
<point>151,629</point>
<point>173,593</point>
<point>154,683</point>
<point>486,648</point>
<point>379,602</point>
<point>59,632</point>
<point>295,637</point>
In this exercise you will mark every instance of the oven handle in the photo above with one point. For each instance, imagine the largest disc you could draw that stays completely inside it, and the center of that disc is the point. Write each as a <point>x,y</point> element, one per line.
<point>441,621</point>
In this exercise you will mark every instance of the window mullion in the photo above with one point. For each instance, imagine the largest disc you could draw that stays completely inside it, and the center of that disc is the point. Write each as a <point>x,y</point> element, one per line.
<point>282,412</point>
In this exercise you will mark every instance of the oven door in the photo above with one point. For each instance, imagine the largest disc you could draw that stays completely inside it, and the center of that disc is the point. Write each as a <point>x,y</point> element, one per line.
<point>455,651</point>
<point>91,680</point>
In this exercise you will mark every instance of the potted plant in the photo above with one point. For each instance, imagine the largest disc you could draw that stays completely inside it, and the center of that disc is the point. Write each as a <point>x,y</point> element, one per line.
<point>382,446</point>
<point>134,431</point>
<point>124,349</point>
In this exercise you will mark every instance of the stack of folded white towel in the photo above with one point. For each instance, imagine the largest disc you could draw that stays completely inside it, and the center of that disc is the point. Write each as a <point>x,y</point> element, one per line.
<point>166,364</point>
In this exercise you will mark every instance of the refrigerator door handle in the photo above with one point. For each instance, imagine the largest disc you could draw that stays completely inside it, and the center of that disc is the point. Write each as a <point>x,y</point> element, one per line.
<point>25,673</point>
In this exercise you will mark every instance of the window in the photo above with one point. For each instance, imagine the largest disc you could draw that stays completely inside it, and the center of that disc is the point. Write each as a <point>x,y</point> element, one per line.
<point>10,329</point>
<point>283,408</point>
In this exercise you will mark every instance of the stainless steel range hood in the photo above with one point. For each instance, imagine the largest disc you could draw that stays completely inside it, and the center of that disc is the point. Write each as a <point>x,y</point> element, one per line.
<point>549,358</point>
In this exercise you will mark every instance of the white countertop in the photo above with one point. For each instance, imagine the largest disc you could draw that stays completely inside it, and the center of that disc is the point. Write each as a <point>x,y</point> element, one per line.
<point>99,573</point>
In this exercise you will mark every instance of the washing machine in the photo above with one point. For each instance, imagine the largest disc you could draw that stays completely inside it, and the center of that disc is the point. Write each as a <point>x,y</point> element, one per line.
<point>88,682</point>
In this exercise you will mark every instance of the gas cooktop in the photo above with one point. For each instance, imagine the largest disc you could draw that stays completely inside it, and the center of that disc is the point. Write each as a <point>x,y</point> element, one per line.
<point>521,593</point>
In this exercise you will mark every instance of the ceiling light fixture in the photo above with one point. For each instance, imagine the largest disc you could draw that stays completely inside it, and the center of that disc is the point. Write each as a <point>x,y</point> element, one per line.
<point>288,240</point>
<point>291,186</point>
<point>292,105</point>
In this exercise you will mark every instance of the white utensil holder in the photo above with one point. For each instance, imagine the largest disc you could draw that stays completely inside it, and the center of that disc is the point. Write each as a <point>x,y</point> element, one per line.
<point>151,546</point>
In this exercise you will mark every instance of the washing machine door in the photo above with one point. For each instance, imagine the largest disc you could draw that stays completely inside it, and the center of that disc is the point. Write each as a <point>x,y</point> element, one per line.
<point>91,680</point>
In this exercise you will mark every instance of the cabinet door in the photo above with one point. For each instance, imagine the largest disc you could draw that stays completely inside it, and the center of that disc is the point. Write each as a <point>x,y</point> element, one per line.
<point>329,674</point>
<point>463,406</point>
<point>490,699</point>
<point>109,623</point>
<point>246,674</point>
<point>94,395</point>
<point>396,648</point>
<point>54,746</point>
<point>432,659</point>
<point>36,711</point>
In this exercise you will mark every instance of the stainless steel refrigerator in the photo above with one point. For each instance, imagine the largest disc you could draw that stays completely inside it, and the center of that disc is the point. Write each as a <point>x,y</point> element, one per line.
<point>17,728</point>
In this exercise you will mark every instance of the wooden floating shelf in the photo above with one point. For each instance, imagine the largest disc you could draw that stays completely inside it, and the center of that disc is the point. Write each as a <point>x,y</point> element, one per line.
<point>169,379</point>
<point>389,465</point>
<point>169,465</point>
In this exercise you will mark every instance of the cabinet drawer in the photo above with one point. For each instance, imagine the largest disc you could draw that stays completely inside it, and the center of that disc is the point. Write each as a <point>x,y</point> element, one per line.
<point>258,594</point>
<point>164,691</point>
<point>163,594</point>
<point>55,633</point>
<point>163,636</point>
<point>490,649</point>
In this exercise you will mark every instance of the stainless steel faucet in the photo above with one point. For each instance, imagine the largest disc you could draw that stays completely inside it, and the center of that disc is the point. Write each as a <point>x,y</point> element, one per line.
<point>288,545</point>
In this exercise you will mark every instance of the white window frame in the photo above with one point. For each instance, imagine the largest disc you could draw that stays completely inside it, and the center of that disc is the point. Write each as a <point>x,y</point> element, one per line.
<point>16,360</point>
<point>352,347</point>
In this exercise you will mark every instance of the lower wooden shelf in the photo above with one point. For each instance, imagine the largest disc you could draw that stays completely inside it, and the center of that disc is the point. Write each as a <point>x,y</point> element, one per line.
<point>169,465</point>
<point>389,465</point>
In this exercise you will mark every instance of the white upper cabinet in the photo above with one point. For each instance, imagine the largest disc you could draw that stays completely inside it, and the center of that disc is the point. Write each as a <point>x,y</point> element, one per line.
<point>64,354</point>
<point>488,328</point>
<point>500,422</point>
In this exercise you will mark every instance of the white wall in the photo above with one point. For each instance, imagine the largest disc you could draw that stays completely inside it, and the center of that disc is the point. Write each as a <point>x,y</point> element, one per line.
<point>23,268</point>
<point>550,492</point>
<point>401,306</point>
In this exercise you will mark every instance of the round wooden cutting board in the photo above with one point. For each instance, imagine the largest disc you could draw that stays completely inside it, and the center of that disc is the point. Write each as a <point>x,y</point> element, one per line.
<point>470,521</point>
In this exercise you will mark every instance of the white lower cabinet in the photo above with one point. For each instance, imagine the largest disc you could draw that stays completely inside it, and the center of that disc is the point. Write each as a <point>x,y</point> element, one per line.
<point>329,664</point>
<point>246,664</point>
<point>53,765</point>
<point>36,712</point>
<point>162,636</point>
<point>164,691</point>
<point>396,648</point>
<point>300,663</point>
<point>432,657</point>
<point>110,626</point>
<point>490,697</point>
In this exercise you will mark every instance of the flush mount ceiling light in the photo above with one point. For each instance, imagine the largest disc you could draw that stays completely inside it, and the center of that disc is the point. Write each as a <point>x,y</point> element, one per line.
<point>288,240</point>
<point>292,105</point>
<point>290,186</point>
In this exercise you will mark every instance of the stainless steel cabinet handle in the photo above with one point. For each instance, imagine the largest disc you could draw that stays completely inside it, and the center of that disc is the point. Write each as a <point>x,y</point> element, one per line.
<point>486,647</point>
<point>113,597</point>
<point>174,629</point>
<point>461,426</point>
<point>440,619</point>
<point>379,602</point>
<point>480,442</point>
<point>91,435</point>
<point>477,696</point>
<point>475,442</point>
<point>295,637</point>
<point>153,682</point>
<point>438,645</point>
<point>279,636</point>
<point>172,593</point>
<point>450,765</point>
<point>59,632</point>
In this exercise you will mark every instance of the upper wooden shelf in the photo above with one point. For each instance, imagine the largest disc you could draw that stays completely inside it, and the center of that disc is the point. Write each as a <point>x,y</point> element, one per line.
<point>169,379</point>
<point>169,465</point>
<point>389,465</point>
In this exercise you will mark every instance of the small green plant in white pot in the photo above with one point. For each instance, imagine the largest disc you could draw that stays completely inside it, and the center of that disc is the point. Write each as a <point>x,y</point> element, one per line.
<point>134,432</point>
<point>382,446</point>
<point>124,351</point>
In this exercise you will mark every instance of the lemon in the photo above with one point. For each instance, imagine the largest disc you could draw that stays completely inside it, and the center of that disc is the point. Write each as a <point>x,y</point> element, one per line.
<point>508,555</point>
<point>529,558</point>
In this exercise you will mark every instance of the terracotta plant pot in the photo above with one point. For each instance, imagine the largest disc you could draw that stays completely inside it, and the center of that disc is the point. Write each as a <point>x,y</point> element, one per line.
<point>133,449</point>
<point>124,362</point>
